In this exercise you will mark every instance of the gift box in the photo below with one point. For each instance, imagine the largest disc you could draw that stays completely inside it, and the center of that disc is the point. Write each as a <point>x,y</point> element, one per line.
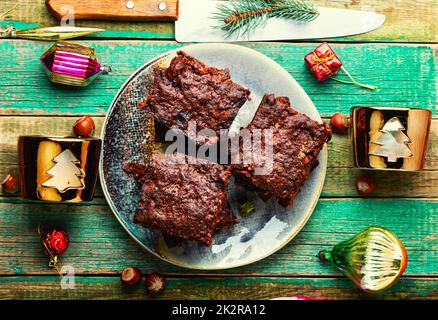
<point>323,62</point>
<point>61,169</point>
<point>389,138</point>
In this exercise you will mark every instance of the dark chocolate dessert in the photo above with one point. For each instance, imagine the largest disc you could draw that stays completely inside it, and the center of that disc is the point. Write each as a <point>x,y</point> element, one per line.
<point>296,143</point>
<point>187,201</point>
<point>189,91</point>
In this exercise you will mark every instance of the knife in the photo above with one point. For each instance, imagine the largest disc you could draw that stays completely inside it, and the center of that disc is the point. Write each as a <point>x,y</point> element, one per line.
<point>194,22</point>
<point>125,10</point>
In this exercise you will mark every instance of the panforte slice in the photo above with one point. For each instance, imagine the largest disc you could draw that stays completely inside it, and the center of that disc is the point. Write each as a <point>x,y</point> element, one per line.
<point>296,142</point>
<point>190,92</point>
<point>187,201</point>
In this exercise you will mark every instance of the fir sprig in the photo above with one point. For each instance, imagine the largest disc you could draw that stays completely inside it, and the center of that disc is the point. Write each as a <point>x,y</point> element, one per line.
<point>243,16</point>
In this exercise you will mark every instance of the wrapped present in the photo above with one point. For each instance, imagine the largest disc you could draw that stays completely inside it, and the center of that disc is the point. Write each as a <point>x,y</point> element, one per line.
<point>323,62</point>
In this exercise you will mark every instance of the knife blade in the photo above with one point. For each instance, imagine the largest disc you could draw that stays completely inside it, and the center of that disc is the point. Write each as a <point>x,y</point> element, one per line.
<point>195,24</point>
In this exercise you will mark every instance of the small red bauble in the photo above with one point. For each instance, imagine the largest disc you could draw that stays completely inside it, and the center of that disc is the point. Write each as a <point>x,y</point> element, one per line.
<point>84,127</point>
<point>339,123</point>
<point>55,241</point>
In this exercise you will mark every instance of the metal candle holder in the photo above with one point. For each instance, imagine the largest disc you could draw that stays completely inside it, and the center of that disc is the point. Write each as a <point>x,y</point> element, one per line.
<point>60,169</point>
<point>390,138</point>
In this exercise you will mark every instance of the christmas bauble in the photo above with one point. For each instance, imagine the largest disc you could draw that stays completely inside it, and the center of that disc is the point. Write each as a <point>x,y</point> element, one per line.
<point>72,64</point>
<point>55,241</point>
<point>374,259</point>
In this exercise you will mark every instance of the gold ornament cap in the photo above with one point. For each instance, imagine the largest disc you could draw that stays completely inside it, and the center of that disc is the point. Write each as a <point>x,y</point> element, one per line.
<point>390,138</point>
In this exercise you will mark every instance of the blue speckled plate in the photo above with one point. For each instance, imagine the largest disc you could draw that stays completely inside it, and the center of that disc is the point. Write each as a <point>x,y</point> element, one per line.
<point>259,234</point>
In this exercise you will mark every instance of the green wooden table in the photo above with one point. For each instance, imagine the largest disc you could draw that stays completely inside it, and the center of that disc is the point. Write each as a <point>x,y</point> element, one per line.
<point>401,58</point>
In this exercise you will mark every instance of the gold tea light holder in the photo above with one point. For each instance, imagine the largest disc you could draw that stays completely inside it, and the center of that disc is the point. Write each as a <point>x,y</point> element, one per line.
<point>58,169</point>
<point>390,138</point>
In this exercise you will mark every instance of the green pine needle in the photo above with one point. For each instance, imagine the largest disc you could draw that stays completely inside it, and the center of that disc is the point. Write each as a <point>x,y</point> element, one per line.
<point>241,17</point>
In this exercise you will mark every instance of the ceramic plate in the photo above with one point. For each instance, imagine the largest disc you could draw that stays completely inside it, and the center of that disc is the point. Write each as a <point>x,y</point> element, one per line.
<point>259,234</point>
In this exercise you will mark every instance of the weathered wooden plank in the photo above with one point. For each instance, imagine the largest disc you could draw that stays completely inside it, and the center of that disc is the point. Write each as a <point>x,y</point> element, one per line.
<point>246,288</point>
<point>340,176</point>
<point>407,21</point>
<point>121,30</point>
<point>340,182</point>
<point>99,245</point>
<point>406,75</point>
<point>12,127</point>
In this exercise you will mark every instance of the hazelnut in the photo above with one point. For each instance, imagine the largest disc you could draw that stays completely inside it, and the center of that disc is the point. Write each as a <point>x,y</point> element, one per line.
<point>11,183</point>
<point>84,127</point>
<point>339,123</point>
<point>155,282</point>
<point>365,185</point>
<point>131,276</point>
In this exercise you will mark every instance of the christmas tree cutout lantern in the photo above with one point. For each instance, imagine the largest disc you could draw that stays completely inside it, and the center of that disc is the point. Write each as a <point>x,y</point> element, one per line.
<point>65,174</point>
<point>393,142</point>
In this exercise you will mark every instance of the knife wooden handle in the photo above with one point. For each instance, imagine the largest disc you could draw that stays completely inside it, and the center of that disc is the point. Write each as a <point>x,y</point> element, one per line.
<point>125,10</point>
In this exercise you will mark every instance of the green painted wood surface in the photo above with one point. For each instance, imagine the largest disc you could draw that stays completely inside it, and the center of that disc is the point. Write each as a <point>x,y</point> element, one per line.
<point>100,249</point>
<point>407,76</point>
<point>340,176</point>
<point>407,21</point>
<point>240,288</point>
<point>99,245</point>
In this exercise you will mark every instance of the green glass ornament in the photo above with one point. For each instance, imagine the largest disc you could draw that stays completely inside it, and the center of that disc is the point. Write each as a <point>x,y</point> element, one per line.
<point>374,259</point>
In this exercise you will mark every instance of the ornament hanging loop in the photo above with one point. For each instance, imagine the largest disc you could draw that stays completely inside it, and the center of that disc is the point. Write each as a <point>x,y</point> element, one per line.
<point>105,69</point>
<point>353,81</point>
<point>324,256</point>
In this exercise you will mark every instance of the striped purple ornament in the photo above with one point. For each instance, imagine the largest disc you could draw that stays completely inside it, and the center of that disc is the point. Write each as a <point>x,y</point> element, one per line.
<point>72,64</point>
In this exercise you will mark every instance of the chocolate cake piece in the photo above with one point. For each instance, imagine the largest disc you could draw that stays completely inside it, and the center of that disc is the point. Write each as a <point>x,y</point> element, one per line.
<point>187,201</point>
<point>189,91</point>
<point>296,143</point>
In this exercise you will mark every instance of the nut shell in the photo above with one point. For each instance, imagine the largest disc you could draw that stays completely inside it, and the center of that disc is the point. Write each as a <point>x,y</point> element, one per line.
<point>339,123</point>
<point>11,183</point>
<point>155,282</point>
<point>365,185</point>
<point>84,127</point>
<point>131,276</point>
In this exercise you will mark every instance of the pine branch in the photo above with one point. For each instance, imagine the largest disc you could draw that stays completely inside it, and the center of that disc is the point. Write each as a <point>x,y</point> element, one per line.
<point>244,16</point>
